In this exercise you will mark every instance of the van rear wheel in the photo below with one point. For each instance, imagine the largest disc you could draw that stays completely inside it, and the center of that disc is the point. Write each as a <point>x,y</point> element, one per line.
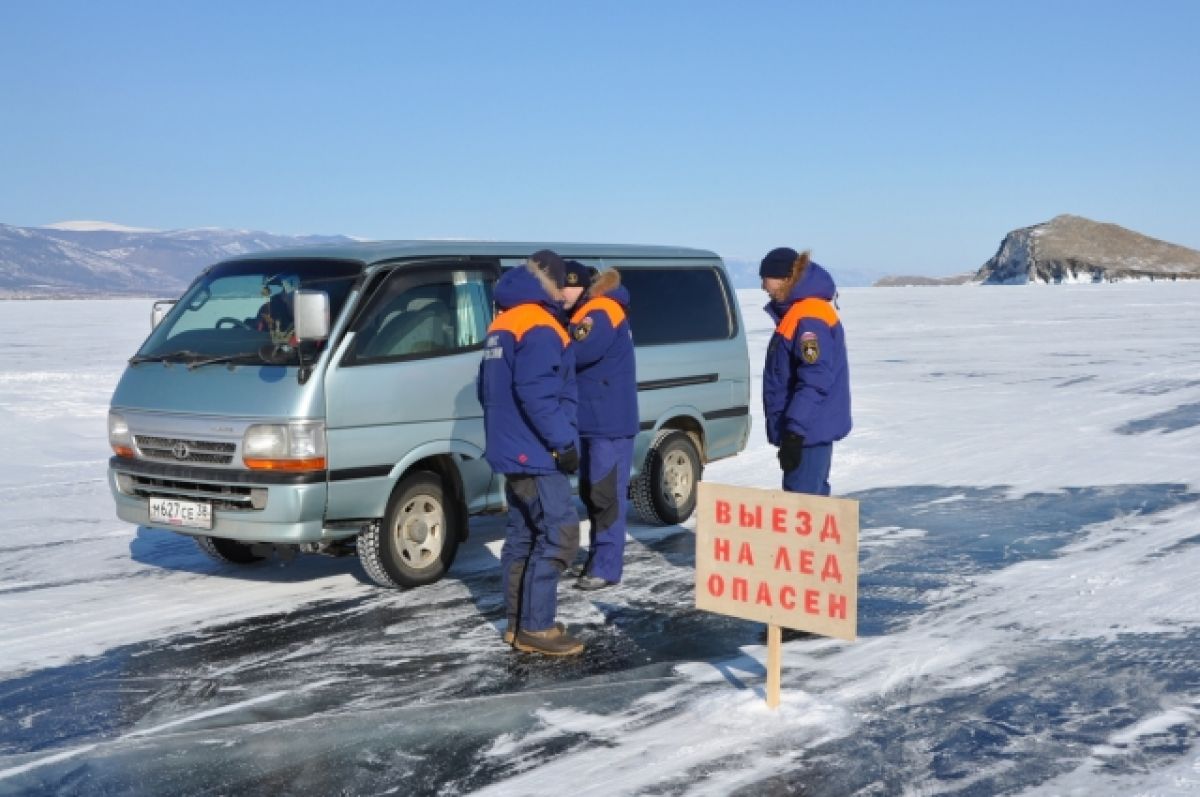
<point>228,551</point>
<point>665,490</point>
<point>417,540</point>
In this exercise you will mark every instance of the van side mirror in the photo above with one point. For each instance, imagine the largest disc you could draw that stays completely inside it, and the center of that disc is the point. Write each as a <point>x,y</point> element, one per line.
<point>311,314</point>
<point>159,311</point>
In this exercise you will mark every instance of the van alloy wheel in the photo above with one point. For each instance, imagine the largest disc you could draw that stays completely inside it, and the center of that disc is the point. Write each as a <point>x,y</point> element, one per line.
<point>416,542</point>
<point>664,492</point>
<point>677,479</point>
<point>420,530</point>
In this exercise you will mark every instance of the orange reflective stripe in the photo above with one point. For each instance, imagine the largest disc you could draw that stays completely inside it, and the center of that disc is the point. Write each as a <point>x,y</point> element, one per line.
<point>808,308</point>
<point>524,317</point>
<point>616,313</point>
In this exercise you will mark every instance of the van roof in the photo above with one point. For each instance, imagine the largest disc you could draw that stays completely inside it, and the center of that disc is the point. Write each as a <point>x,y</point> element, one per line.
<point>370,252</point>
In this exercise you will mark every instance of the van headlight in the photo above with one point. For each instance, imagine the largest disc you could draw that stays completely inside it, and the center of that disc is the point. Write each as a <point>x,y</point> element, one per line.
<point>299,445</point>
<point>118,435</point>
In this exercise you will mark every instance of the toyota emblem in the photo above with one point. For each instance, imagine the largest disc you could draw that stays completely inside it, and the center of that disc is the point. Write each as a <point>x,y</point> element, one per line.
<point>180,450</point>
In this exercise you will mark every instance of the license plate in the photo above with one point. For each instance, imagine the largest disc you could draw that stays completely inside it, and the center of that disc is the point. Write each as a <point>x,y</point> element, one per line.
<point>172,512</point>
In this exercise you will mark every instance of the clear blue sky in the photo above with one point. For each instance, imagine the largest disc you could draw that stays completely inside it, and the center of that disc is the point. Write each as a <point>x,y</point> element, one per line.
<point>893,137</point>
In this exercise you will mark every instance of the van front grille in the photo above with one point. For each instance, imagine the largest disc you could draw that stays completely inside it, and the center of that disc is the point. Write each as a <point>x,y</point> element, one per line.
<point>174,449</point>
<point>221,496</point>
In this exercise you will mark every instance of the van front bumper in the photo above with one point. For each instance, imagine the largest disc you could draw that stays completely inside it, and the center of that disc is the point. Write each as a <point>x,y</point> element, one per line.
<point>248,506</point>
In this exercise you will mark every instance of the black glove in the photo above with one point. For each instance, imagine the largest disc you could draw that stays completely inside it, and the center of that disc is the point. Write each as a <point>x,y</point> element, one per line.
<point>791,451</point>
<point>567,459</point>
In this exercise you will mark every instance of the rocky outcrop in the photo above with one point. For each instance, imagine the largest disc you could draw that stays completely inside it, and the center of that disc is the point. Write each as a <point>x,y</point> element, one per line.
<point>1075,249</point>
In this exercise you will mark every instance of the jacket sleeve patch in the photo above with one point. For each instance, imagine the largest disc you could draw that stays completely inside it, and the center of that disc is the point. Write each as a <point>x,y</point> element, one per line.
<point>582,329</point>
<point>810,349</point>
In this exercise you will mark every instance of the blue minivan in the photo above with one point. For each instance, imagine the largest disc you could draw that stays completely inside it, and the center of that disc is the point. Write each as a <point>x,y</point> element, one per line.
<point>323,399</point>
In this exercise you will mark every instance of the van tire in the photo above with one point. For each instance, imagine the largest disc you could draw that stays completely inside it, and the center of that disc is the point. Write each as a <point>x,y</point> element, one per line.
<point>417,539</point>
<point>228,551</point>
<point>664,493</point>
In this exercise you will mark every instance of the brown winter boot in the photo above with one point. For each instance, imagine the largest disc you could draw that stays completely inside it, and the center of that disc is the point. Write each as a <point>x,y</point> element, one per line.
<point>552,642</point>
<point>512,623</point>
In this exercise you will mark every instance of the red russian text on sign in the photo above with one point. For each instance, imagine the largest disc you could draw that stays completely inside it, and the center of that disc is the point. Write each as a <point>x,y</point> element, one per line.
<point>751,516</point>
<point>776,557</point>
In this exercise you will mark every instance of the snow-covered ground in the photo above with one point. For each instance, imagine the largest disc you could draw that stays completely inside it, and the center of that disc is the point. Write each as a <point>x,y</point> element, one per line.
<point>1028,465</point>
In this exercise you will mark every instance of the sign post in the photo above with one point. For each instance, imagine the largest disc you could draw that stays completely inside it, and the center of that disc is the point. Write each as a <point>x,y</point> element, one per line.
<point>784,559</point>
<point>774,664</point>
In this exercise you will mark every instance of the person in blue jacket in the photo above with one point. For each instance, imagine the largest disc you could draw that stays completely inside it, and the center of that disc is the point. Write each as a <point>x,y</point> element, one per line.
<point>806,381</point>
<point>608,417</point>
<point>527,389</point>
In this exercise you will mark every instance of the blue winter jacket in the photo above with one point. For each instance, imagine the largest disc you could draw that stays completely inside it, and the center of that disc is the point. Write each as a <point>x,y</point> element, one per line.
<point>526,381</point>
<point>603,345</point>
<point>806,381</point>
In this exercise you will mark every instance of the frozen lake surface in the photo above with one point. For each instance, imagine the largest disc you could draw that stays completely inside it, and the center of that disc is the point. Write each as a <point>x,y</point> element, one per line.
<point>1028,465</point>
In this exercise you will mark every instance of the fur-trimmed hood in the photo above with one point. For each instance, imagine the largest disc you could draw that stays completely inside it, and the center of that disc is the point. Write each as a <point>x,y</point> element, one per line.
<point>552,290</point>
<point>604,282</point>
<point>808,281</point>
<point>525,285</point>
<point>608,283</point>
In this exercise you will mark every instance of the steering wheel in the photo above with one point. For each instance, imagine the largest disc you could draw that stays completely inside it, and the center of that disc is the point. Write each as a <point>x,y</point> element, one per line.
<point>236,323</point>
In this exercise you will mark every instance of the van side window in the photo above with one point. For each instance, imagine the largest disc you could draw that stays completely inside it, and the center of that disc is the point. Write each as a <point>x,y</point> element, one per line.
<point>677,305</point>
<point>423,317</point>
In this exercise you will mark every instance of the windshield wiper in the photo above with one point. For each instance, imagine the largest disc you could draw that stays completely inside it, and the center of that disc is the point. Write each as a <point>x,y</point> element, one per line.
<point>195,359</point>
<point>170,356</point>
<point>239,357</point>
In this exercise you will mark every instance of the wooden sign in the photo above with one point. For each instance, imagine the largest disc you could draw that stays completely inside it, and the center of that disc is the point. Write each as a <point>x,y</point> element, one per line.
<point>785,559</point>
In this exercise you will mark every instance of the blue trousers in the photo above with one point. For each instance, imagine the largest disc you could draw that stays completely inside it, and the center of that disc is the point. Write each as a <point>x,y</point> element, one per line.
<point>812,474</point>
<point>604,487</point>
<point>540,541</point>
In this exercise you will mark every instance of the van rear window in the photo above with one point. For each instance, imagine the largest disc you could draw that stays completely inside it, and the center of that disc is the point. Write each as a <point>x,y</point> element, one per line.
<point>677,305</point>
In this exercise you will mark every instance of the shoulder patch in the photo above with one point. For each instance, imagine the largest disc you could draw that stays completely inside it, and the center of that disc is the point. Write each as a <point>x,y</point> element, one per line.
<point>810,348</point>
<point>582,329</point>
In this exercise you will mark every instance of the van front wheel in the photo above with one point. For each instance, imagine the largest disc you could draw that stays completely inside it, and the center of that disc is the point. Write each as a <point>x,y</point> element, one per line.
<point>228,551</point>
<point>416,541</point>
<point>665,491</point>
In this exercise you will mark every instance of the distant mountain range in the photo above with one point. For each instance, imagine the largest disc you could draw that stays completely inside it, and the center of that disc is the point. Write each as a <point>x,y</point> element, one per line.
<point>911,281</point>
<point>77,259</point>
<point>1074,249</point>
<point>95,258</point>
<point>88,259</point>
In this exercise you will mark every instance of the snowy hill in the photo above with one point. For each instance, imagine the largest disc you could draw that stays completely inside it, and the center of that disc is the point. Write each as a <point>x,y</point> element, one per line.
<point>73,259</point>
<point>1074,249</point>
<point>93,226</point>
<point>96,258</point>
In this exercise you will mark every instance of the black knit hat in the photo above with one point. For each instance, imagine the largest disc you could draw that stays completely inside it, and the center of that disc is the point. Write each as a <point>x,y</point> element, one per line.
<point>778,263</point>
<point>551,265</point>
<point>578,275</point>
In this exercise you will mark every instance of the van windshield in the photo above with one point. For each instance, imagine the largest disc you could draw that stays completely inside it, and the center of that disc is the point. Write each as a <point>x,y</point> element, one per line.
<point>242,312</point>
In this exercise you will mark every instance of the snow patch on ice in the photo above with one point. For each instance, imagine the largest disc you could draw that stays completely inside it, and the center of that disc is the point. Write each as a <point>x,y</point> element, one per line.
<point>722,723</point>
